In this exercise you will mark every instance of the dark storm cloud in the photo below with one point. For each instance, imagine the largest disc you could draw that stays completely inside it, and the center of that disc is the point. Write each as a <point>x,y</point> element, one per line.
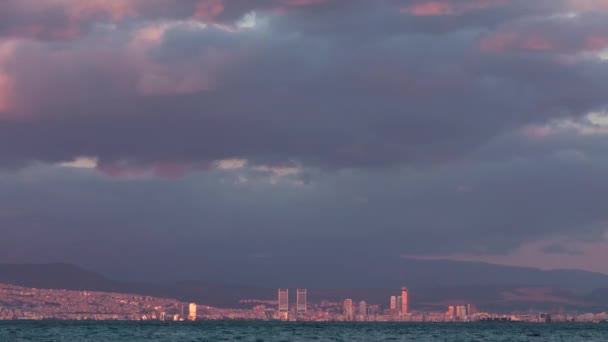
<point>397,127</point>
<point>401,99</point>
<point>207,219</point>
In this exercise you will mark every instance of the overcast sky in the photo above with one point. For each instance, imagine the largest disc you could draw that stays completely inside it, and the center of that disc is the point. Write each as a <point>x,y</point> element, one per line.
<point>137,134</point>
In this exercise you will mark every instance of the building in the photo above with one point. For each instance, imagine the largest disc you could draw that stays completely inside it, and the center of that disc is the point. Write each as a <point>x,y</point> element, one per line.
<point>192,312</point>
<point>393,303</point>
<point>403,303</point>
<point>450,313</point>
<point>283,304</point>
<point>461,312</point>
<point>349,313</point>
<point>301,300</point>
<point>399,304</point>
<point>362,309</point>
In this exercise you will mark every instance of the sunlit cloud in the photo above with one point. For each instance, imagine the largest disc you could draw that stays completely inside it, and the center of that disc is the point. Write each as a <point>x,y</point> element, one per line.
<point>81,163</point>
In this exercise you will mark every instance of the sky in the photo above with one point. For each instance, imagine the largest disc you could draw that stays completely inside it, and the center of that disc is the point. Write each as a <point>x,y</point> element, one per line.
<point>188,137</point>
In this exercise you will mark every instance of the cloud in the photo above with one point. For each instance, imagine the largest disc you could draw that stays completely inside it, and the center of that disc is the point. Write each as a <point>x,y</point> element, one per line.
<point>560,249</point>
<point>449,7</point>
<point>375,125</point>
<point>562,34</point>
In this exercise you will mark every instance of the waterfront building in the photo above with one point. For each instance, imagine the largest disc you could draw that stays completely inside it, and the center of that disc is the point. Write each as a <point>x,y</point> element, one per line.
<point>362,310</point>
<point>348,309</point>
<point>393,303</point>
<point>283,304</point>
<point>192,312</point>
<point>301,300</point>
<point>404,300</point>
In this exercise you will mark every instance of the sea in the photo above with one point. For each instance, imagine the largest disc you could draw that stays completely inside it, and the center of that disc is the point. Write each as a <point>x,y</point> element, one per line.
<point>65,331</point>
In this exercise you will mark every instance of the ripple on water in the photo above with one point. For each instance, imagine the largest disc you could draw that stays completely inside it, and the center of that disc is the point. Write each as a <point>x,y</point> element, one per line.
<point>296,332</point>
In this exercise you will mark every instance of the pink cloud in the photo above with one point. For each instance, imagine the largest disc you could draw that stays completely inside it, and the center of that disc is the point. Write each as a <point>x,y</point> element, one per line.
<point>297,3</point>
<point>596,42</point>
<point>588,5</point>
<point>538,132</point>
<point>7,50</point>
<point>170,170</point>
<point>449,7</point>
<point>115,9</point>
<point>209,9</point>
<point>121,171</point>
<point>162,169</point>
<point>530,41</point>
<point>32,19</point>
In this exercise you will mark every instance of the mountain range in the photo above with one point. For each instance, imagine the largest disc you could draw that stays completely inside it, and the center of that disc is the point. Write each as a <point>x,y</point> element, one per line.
<point>433,285</point>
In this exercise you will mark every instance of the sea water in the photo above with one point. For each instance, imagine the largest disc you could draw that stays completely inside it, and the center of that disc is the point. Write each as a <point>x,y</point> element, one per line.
<point>62,331</point>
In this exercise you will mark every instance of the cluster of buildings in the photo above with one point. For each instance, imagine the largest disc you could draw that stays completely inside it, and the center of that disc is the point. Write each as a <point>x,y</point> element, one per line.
<point>18,302</point>
<point>301,304</point>
<point>348,311</point>
<point>461,312</point>
<point>399,304</point>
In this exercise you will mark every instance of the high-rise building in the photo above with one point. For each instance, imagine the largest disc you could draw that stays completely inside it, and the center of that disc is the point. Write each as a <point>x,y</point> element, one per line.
<point>404,303</point>
<point>399,304</point>
<point>192,312</point>
<point>461,312</point>
<point>450,312</point>
<point>348,309</point>
<point>284,304</point>
<point>363,309</point>
<point>393,303</point>
<point>301,300</point>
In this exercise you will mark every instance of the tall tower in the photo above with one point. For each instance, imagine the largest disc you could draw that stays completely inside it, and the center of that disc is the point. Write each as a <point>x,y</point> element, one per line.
<point>283,304</point>
<point>363,310</point>
<point>348,309</point>
<point>192,312</point>
<point>393,303</point>
<point>301,300</point>
<point>404,304</point>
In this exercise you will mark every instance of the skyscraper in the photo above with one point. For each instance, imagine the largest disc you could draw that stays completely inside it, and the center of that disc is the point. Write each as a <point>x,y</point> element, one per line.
<point>451,311</point>
<point>192,312</point>
<point>404,304</point>
<point>283,304</point>
<point>461,312</point>
<point>348,309</point>
<point>301,300</point>
<point>399,304</point>
<point>362,309</point>
<point>393,303</point>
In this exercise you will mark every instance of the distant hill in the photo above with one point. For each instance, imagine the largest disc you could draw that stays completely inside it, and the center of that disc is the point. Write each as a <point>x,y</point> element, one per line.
<point>372,271</point>
<point>433,285</point>
<point>56,276</point>
<point>438,273</point>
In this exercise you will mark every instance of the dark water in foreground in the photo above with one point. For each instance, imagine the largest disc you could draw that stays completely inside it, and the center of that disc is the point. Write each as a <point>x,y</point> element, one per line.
<point>275,331</point>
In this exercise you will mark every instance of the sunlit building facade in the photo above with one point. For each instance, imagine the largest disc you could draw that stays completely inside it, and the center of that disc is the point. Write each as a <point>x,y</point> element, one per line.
<point>301,300</point>
<point>284,304</point>
<point>192,312</point>
<point>348,310</point>
<point>404,301</point>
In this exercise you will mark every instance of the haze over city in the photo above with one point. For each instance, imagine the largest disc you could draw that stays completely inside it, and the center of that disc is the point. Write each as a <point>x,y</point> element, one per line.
<point>306,143</point>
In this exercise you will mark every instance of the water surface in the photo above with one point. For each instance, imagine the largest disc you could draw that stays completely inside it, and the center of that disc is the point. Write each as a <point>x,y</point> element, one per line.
<point>56,331</point>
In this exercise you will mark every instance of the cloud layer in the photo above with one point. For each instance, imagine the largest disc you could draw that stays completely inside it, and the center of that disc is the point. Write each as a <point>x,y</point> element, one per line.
<point>427,127</point>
